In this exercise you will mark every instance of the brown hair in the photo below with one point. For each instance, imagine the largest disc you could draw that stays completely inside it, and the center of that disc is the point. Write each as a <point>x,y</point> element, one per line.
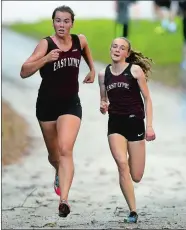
<point>139,59</point>
<point>64,9</point>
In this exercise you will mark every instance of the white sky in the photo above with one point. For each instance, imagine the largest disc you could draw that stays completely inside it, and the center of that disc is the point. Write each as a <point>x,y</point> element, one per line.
<point>13,11</point>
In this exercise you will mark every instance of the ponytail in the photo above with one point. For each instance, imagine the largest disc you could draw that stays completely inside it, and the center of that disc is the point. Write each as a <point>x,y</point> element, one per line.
<point>138,58</point>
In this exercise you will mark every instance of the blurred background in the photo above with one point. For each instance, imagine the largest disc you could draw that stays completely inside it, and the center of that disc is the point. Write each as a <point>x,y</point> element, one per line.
<point>156,28</point>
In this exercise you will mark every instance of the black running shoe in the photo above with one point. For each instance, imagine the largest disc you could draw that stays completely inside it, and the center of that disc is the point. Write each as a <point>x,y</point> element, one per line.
<point>64,208</point>
<point>132,218</point>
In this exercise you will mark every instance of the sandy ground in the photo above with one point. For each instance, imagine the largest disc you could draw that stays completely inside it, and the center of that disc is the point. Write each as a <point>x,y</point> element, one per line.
<point>28,199</point>
<point>15,141</point>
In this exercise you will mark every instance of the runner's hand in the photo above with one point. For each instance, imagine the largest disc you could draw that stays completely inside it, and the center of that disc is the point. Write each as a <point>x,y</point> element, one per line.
<point>53,55</point>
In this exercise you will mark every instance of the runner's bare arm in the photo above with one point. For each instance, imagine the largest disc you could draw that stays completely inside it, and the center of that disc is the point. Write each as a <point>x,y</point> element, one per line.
<point>103,93</point>
<point>86,52</point>
<point>140,76</point>
<point>35,61</point>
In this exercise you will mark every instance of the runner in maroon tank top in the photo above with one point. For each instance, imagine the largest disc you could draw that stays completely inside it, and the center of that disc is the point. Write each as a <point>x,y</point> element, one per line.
<point>122,84</point>
<point>58,107</point>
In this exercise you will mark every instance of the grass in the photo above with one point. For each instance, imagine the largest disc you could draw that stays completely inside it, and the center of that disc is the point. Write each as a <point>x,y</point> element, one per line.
<point>164,49</point>
<point>15,140</point>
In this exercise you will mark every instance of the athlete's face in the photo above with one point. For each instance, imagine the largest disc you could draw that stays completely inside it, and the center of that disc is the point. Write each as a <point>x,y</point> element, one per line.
<point>119,50</point>
<point>62,23</point>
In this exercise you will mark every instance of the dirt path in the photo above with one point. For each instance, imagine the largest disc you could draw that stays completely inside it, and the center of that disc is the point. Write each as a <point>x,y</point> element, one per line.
<point>95,196</point>
<point>14,131</point>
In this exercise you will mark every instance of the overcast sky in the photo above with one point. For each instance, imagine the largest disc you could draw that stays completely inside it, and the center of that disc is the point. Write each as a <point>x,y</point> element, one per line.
<point>13,11</point>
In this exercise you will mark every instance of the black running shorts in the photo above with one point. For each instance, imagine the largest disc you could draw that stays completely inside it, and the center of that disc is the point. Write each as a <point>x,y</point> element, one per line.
<point>131,127</point>
<point>50,110</point>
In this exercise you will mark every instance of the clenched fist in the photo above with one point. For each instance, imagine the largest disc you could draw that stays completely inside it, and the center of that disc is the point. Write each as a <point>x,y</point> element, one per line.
<point>103,107</point>
<point>53,55</point>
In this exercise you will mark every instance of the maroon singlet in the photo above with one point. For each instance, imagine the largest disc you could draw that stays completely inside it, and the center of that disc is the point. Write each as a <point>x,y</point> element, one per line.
<point>60,78</point>
<point>124,93</point>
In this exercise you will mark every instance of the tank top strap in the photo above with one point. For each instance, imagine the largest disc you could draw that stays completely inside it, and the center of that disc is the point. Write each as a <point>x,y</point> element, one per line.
<point>51,44</point>
<point>76,41</point>
<point>127,70</point>
<point>107,74</point>
<point>49,40</point>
